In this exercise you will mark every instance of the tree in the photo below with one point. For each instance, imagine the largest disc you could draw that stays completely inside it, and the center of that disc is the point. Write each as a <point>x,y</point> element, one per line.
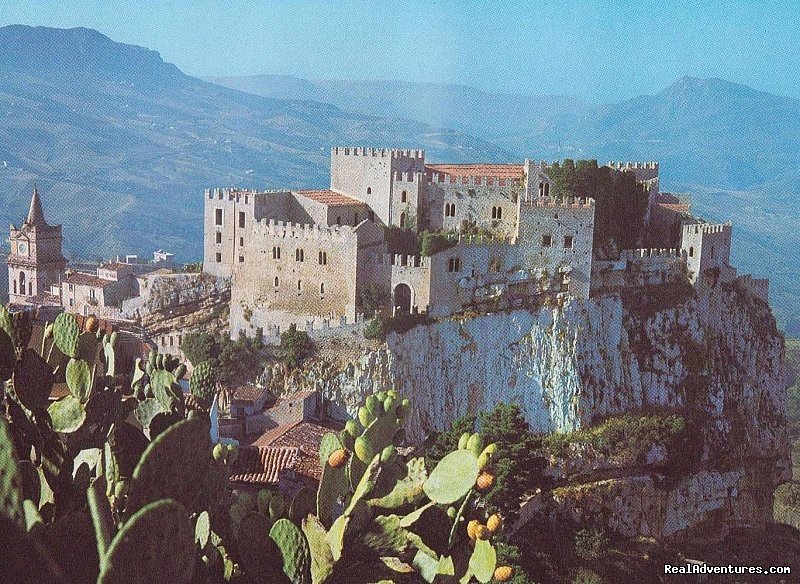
<point>199,347</point>
<point>295,346</point>
<point>519,464</point>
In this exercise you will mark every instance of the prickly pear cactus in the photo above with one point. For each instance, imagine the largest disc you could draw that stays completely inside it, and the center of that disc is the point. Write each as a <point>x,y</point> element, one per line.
<point>155,545</point>
<point>294,549</point>
<point>176,465</point>
<point>79,379</point>
<point>65,334</point>
<point>33,380</point>
<point>10,478</point>
<point>202,382</point>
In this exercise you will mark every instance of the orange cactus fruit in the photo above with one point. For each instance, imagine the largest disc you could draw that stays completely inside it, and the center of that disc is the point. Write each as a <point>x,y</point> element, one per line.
<point>338,458</point>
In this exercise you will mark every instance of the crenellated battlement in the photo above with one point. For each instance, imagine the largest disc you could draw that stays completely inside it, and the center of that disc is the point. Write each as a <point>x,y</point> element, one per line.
<point>237,194</point>
<point>698,228</point>
<point>559,202</point>
<point>649,165</point>
<point>635,254</point>
<point>487,181</point>
<point>287,229</point>
<point>406,261</point>
<point>377,152</point>
<point>758,287</point>
<point>408,177</point>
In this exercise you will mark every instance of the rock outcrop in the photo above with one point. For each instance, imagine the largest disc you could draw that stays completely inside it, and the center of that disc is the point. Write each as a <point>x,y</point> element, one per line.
<point>718,361</point>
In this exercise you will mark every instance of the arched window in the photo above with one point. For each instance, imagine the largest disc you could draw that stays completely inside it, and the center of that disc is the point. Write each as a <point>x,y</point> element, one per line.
<point>546,189</point>
<point>299,285</point>
<point>404,197</point>
<point>369,190</point>
<point>276,281</point>
<point>402,219</point>
<point>323,258</point>
<point>22,282</point>
<point>691,252</point>
<point>541,189</point>
<point>494,212</point>
<point>299,255</point>
<point>322,288</point>
<point>499,212</point>
<point>276,253</point>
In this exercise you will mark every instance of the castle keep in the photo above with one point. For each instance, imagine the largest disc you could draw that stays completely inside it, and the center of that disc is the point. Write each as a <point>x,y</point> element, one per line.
<point>312,257</point>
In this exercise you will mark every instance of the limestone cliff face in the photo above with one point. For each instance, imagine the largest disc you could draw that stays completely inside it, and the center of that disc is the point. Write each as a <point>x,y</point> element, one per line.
<point>718,360</point>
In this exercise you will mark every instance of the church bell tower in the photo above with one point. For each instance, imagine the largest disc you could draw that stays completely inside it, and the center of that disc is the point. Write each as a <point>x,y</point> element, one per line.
<point>35,263</point>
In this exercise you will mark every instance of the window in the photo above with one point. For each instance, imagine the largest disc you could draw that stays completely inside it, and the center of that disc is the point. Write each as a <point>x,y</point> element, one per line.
<point>355,220</point>
<point>71,287</point>
<point>217,216</point>
<point>241,218</point>
<point>241,259</point>
<point>369,190</point>
<point>339,220</point>
<point>402,219</point>
<point>219,237</point>
<point>30,288</point>
<point>450,210</point>
<point>241,242</point>
<point>322,288</point>
<point>92,293</point>
<point>547,240</point>
<point>276,253</point>
<point>299,255</point>
<point>691,252</point>
<point>541,189</point>
<point>15,286</point>
<point>454,265</point>
<point>171,342</point>
<point>404,197</point>
<point>569,240</point>
<point>323,258</point>
<point>218,258</point>
<point>299,286</point>
<point>497,212</point>
<point>72,302</point>
<point>276,281</point>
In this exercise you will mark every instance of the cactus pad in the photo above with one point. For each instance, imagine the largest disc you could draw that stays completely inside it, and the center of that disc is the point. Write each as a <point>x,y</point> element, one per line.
<point>68,414</point>
<point>201,382</point>
<point>260,557</point>
<point>483,560</point>
<point>65,334</point>
<point>7,356</point>
<point>452,478</point>
<point>294,549</point>
<point>10,478</point>
<point>321,556</point>
<point>33,380</point>
<point>175,466</point>
<point>155,545</point>
<point>79,379</point>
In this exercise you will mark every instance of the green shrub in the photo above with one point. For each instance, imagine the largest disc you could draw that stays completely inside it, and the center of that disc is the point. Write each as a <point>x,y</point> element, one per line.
<point>591,544</point>
<point>433,243</point>
<point>295,346</point>
<point>376,329</point>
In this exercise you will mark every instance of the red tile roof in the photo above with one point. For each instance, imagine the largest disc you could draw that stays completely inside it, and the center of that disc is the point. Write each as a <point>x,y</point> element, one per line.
<point>303,435</point>
<point>116,266</point>
<point>492,170</point>
<point>263,466</point>
<point>328,197</point>
<point>83,279</point>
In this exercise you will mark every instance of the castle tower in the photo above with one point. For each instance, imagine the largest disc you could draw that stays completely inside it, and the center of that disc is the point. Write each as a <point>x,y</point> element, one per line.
<point>36,262</point>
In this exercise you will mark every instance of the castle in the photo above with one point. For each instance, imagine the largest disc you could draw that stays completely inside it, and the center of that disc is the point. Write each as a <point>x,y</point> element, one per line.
<point>312,258</point>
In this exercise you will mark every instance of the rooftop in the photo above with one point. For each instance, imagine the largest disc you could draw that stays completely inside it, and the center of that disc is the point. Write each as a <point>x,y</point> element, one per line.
<point>490,170</point>
<point>303,435</point>
<point>263,466</point>
<point>84,279</point>
<point>328,197</point>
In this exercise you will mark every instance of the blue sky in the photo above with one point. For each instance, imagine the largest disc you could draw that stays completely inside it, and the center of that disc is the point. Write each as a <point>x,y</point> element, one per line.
<point>600,51</point>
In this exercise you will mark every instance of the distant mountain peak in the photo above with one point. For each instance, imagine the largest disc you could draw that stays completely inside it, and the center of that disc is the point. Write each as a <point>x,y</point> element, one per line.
<point>70,53</point>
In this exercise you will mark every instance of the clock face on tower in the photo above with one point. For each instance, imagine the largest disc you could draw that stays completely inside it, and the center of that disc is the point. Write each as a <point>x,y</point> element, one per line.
<point>22,248</point>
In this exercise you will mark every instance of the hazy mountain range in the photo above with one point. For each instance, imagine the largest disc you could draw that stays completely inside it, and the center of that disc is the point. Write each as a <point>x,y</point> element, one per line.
<point>122,143</point>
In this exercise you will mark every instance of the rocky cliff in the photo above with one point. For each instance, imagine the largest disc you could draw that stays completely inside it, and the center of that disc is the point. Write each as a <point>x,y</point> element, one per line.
<point>716,363</point>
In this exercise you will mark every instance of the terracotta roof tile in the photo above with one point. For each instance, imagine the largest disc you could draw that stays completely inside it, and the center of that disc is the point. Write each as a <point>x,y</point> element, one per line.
<point>305,436</point>
<point>83,279</point>
<point>263,466</point>
<point>328,197</point>
<point>479,170</point>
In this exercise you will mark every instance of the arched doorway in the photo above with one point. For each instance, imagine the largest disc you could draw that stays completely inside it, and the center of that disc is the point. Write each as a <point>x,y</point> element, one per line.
<point>402,299</point>
<point>22,283</point>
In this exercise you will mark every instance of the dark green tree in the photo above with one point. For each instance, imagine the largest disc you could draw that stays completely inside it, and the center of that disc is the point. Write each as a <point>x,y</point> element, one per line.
<point>199,347</point>
<point>295,346</point>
